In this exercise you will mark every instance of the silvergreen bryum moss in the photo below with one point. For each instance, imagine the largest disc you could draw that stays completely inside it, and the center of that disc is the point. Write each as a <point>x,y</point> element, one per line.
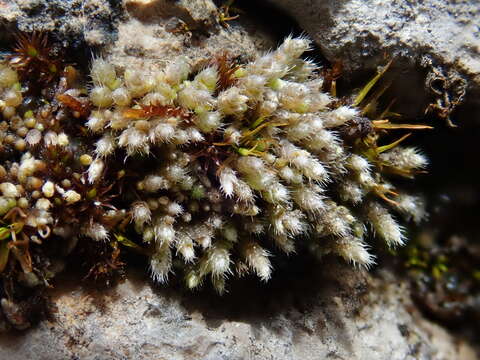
<point>204,171</point>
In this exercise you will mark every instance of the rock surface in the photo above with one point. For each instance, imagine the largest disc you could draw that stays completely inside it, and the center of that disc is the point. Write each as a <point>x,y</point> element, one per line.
<point>360,33</point>
<point>436,41</point>
<point>339,313</point>
<point>73,20</point>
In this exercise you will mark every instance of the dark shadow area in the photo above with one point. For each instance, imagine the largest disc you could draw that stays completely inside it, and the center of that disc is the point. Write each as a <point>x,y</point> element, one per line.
<point>453,195</point>
<point>260,16</point>
<point>297,282</point>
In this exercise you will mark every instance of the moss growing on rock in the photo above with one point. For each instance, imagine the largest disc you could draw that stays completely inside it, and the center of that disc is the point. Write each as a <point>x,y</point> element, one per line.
<point>204,171</point>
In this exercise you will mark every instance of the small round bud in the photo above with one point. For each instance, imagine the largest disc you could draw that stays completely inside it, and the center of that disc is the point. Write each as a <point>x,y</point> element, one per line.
<point>43,204</point>
<point>103,73</point>
<point>62,139</point>
<point>20,189</point>
<point>85,159</point>
<point>192,280</point>
<point>121,97</point>
<point>177,71</point>
<point>101,96</point>
<point>8,77</point>
<point>66,183</point>
<point>137,83</point>
<point>208,78</point>
<point>30,122</point>
<point>208,121</point>
<point>95,170</point>
<point>22,131</point>
<point>22,203</point>
<point>12,98</point>
<point>9,190</point>
<point>9,139</point>
<point>40,165</point>
<point>34,183</point>
<point>20,145</point>
<point>6,204</point>
<point>71,197</point>
<point>142,125</point>
<point>33,137</point>
<point>48,189</point>
<point>8,112</point>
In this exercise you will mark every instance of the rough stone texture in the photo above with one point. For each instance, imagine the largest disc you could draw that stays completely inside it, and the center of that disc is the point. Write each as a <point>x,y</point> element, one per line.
<point>200,14</point>
<point>72,20</point>
<point>361,32</point>
<point>340,313</point>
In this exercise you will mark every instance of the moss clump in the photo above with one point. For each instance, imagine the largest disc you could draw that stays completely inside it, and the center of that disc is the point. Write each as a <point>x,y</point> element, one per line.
<point>203,171</point>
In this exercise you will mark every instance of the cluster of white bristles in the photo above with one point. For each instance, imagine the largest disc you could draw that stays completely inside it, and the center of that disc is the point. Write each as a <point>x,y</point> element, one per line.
<point>276,159</point>
<point>224,224</point>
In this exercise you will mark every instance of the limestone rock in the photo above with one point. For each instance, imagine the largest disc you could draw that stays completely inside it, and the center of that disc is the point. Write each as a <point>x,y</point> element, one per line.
<point>440,36</point>
<point>72,20</point>
<point>338,312</point>
<point>195,14</point>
